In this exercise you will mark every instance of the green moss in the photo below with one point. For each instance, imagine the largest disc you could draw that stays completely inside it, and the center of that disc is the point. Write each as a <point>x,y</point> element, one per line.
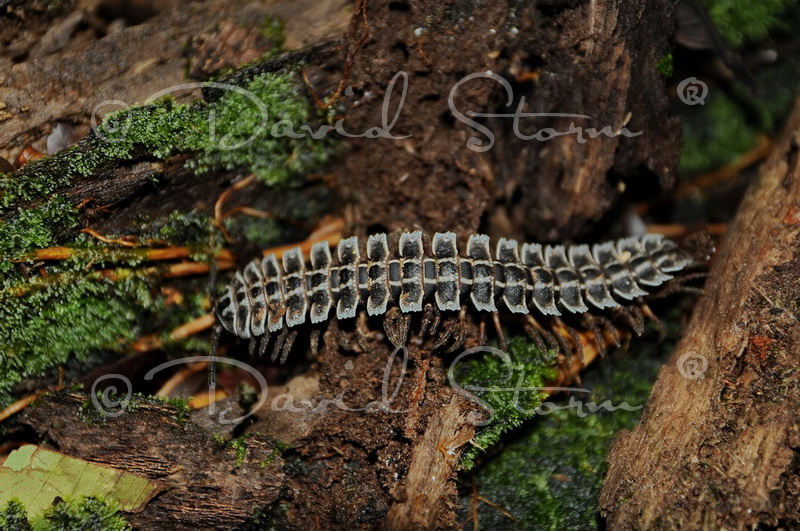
<point>280,447</point>
<point>87,513</point>
<point>84,514</point>
<point>272,518</point>
<point>35,228</point>
<point>44,329</point>
<point>71,314</point>
<point>239,444</point>
<point>715,136</point>
<point>180,228</point>
<point>14,517</point>
<point>261,232</point>
<point>181,405</point>
<point>240,135</point>
<point>512,389</point>
<point>665,65</point>
<point>232,132</point>
<point>549,474</point>
<point>743,21</point>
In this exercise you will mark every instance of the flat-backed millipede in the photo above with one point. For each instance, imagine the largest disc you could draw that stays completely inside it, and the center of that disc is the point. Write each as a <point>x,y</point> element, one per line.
<point>267,297</point>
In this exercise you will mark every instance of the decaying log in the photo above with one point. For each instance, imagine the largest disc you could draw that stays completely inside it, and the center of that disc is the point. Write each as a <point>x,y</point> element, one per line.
<point>206,487</point>
<point>719,443</point>
<point>593,58</point>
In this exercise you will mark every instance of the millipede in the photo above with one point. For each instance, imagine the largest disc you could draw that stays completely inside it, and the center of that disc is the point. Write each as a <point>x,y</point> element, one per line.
<point>429,276</point>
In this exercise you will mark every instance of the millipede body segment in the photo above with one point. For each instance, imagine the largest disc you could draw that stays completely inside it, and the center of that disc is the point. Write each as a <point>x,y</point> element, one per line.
<point>268,296</point>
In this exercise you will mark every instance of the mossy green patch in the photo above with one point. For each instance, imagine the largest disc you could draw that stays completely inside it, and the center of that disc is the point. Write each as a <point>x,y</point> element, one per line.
<point>35,227</point>
<point>274,29</point>
<point>743,21</point>
<point>665,65</point>
<point>242,134</point>
<point>728,124</point>
<point>714,136</point>
<point>84,514</point>
<point>549,474</point>
<point>44,329</point>
<point>14,517</point>
<point>55,321</point>
<point>237,130</point>
<point>507,385</point>
<point>280,447</point>
<point>239,444</point>
<point>180,228</point>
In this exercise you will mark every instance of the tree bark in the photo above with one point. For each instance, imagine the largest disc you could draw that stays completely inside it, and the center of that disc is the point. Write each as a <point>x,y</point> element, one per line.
<point>718,446</point>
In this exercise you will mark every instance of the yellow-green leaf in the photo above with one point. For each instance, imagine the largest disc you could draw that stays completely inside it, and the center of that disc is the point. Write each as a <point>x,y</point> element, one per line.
<point>36,476</point>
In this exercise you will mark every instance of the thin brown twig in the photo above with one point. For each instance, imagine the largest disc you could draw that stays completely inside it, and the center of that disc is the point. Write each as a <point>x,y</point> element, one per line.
<point>117,241</point>
<point>249,211</point>
<point>218,216</point>
<point>359,13</point>
<point>179,377</point>
<point>330,230</point>
<point>154,342</point>
<point>496,507</point>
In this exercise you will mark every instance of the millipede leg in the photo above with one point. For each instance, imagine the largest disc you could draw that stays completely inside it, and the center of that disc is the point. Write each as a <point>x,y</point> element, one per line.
<point>396,325</point>
<point>533,333</point>
<point>362,330</point>
<point>447,331</point>
<point>314,342</point>
<point>252,345</point>
<point>678,285</point>
<point>627,313</point>
<point>276,349</point>
<point>549,337</point>
<point>262,348</point>
<point>589,322</point>
<point>459,336</point>
<point>563,344</point>
<point>648,313</point>
<point>501,338</point>
<point>482,330</point>
<point>638,315</point>
<point>577,344</point>
<point>287,345</point>
<point>430,317</point>
<point>609,327</point>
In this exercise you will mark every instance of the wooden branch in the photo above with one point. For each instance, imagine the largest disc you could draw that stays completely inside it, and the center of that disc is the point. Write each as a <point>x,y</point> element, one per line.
<point>718,444</point>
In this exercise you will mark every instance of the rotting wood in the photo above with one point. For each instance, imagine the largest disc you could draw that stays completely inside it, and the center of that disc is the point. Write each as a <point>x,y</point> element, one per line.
<point>721,450</point>
<point>208,488</point>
